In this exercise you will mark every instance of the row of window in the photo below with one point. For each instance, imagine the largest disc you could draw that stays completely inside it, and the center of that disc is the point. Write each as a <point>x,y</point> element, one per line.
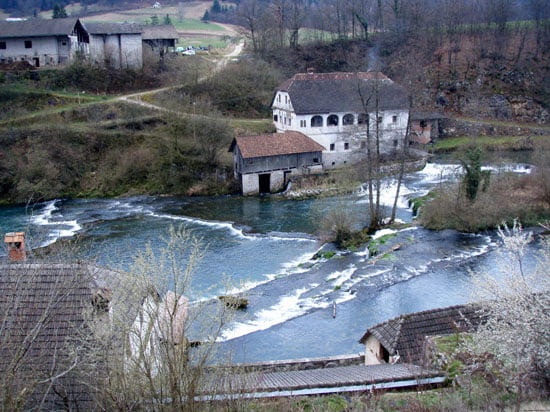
<point>332,120</point>
<point>28,45</point>
<point>333,146</point>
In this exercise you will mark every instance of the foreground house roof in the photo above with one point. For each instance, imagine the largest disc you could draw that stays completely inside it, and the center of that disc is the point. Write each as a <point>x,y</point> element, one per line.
<point>275,144</point>
<point>312,93</point>
<point>405,334</point>
<point>46,309</point>
<point>38,27</point>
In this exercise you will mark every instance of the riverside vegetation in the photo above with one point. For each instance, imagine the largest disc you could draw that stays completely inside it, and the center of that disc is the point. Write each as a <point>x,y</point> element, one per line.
<point>75,144</point>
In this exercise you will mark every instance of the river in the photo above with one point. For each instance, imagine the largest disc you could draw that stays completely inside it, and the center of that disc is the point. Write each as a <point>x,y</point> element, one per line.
<point>263,247</point>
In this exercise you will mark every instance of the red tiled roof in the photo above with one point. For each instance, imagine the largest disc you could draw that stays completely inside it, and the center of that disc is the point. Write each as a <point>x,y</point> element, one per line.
<point>275,144</point>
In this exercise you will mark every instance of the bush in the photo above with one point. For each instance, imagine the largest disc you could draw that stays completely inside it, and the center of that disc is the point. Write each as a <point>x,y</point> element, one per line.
<point>243,89</point>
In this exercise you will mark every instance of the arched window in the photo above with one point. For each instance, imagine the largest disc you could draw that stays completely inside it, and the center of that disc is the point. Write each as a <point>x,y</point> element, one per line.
<point>332,120</point>
<point>316,121</point>
<point>363,118</point>
<point>348,119</point>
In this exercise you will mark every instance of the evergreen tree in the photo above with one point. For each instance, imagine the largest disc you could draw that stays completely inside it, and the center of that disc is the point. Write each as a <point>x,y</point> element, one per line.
<point>206,16</point>
<point>154,20</point>
<point>59,11</point>
<point>167,19</point>
<point>216,8</point>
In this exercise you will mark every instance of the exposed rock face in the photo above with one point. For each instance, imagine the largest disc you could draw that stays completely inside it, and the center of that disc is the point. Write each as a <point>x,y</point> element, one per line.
<point>477,98</point>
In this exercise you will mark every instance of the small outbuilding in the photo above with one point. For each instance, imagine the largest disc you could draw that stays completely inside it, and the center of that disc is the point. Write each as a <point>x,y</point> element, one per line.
<point>425,127</point>
<point>159,38</point>
<point>403,339</point>
<point>264,163</point>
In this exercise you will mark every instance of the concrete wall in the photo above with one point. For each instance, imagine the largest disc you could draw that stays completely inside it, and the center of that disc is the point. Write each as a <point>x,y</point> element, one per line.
<point>372,351</point>
<point>117,50</point>
<point>249,170</point>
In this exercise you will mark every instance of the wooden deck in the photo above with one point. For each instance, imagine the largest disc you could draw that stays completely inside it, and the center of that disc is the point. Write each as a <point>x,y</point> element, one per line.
<point>327,380</point>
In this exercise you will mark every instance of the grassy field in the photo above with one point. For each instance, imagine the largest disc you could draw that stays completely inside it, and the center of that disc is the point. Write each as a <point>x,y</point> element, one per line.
<point>487,142</point>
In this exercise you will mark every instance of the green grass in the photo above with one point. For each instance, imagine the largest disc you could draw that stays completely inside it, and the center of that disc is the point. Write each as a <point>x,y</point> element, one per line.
<point>454,143</point>
<point>374,244</point>
<point>215,42</point>
<point>192,24</point>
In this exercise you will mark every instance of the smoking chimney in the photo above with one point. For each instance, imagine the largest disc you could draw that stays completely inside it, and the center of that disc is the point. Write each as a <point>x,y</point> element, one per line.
<point>15,241</point>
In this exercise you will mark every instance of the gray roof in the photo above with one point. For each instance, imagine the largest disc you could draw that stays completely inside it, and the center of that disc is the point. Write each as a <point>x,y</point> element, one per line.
<point>405,334</point>
<point>112,28</point>
<point>38,27</point>
<point>159,32</point>
<point>312,93</point>
<point>51,303</point>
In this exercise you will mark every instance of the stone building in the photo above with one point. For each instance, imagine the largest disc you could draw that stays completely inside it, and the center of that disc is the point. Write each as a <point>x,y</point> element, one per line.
<point>264,163</point>
<point>333,109</point>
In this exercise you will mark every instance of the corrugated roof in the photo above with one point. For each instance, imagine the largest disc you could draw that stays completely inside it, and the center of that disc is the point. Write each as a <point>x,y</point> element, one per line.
<point>405,334</point>
<point>37,27</point>
<point>275,144</point>
<point>159,32</point>
<point>343,92</point>
<point>112,28</point>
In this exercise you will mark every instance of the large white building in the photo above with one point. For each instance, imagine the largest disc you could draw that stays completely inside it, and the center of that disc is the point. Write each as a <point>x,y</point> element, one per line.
<point>333,108</point>
<point>56,42</point>
<point>43,42</point>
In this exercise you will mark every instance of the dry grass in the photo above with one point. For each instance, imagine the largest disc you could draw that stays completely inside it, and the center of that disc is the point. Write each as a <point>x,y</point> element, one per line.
<point>508,197</point>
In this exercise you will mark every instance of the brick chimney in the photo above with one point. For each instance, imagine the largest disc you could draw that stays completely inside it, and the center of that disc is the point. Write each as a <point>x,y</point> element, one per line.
<point>15,241</point>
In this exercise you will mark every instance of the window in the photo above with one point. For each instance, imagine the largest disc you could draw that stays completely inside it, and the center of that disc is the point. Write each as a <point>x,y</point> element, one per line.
<point>286,99</point>
<point>302,123</point>
<point>348,119</point>
<point>332,147</point>
<point>2,45</point>
<point>346,146</point>
<point>394,143</point>
<point>290,122</point>
<point>394,119</point>
<point>423,123</point>
<point>316,121</point>
<point>63,43</point>
<point>279,98</point>
<point>379,119</point>
<point>28,44</point>
<point>315,160</point>
<point>332,120</point>
<point>363,118</point>
<point>275,118</point>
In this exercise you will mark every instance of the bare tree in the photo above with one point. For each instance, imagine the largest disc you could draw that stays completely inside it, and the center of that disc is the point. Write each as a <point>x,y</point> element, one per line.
<point>158,362</point>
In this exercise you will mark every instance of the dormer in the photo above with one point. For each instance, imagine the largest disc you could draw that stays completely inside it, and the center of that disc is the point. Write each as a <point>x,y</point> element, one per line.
<point>282,100</point>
